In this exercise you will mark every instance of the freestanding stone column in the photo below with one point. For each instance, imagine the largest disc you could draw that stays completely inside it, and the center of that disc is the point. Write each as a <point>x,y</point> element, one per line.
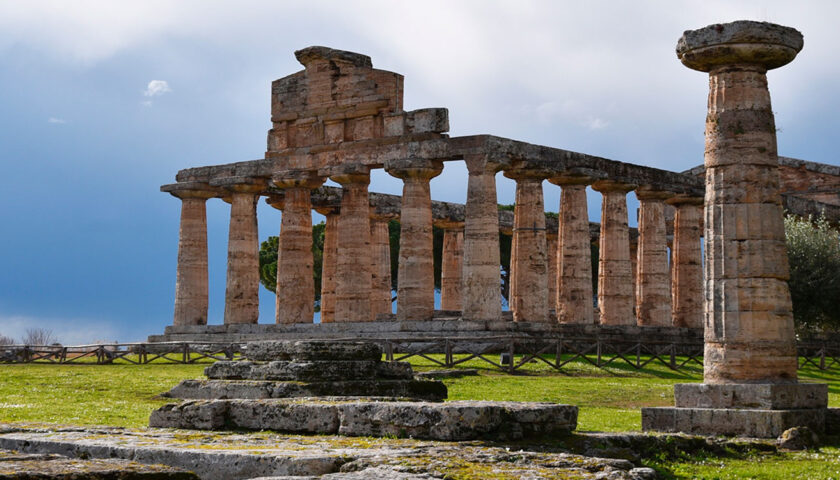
<point>687,263</point>
<point>328,263</point>
<point>653,287</point>
<point>750,348</point>
<point>573,303</point>
<point>191,283</point>
<point>529,265</point>
<point>451,266</point>
<point>242,297</point>
<point>295,286</point>
<point>551,249</point>
<point>416,275</point>
<point>615,276</point>
<point>352,276</point>
<point>381,268</point>
<point>482,296</point>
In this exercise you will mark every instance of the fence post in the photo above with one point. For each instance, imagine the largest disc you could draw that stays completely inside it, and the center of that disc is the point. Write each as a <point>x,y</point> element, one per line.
<point>598,351</point>
<point>673,356</point>
<point>448,354</point>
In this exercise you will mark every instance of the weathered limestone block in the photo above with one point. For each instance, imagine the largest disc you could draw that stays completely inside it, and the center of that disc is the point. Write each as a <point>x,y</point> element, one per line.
<point>191,281</point>
<point>295,288</point>
<point>653,289</point>
<point>353,276</point>
<point>312,350</point>
<point>310,417</point>
<point>315,371</point>
<point>256,389</point>
<point>529,265</point>
<point>416,282</point>
<point>200,415</point>
<point>777,396</point>
<point>481,295</point>
<point>749,324</point>
<point>573,302</point>
<point>758,423</point>
<point>29,466</point>
<point>615,276</point>
<point>242,287</point>
<point>453,421</point>
<point>452,264</point>
<point>380,300</point>
<point>687,264</point>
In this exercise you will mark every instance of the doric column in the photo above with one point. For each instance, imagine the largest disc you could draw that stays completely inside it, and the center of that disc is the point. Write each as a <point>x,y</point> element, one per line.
<point>295,285</point>
<point>687,263</point>
<point>615,281</point>
<point>749,324</point>
<point>481,288</point>
<point>551,275</point>
<point>653,282</point>
<point>380,242</point>
<point>353,276</point>
<point>191,290</point>
<point>328,263</point>
<point>242,299</point>
<point>415,277</point>
<point>452,264</point>
<point>573,303</point>
<point>529,285</point>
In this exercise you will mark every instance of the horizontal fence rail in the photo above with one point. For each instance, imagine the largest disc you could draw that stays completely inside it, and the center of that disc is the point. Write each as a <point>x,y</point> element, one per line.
<point>504,353</point>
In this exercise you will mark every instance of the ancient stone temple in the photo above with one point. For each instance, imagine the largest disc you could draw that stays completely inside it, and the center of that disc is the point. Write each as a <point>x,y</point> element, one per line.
<point>750,382</point>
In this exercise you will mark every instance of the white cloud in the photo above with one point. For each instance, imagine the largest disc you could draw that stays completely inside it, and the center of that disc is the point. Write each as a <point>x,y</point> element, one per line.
<point>157,88</point>
<point>595,123</point>
<point>56,120</point>
<point>146,103</point>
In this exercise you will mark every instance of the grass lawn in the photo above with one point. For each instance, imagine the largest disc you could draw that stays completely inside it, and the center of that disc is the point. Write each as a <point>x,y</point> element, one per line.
<point>609,400</point>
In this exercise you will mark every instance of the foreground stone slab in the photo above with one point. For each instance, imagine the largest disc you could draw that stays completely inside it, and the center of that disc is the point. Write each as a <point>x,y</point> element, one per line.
<point>729,421</point>
<point>312,350</point>
<point>23,466</point>
<point>754,396</point>
<point>255,389</point>
<point>236,456</point>
<point>308,371</point>
<point>449,421</point>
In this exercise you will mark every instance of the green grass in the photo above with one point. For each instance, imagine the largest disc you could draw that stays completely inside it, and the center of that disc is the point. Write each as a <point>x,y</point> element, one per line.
<point>609,400</point>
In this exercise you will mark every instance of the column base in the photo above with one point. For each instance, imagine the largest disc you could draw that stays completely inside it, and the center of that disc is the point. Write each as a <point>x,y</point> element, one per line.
<point>746,410</point>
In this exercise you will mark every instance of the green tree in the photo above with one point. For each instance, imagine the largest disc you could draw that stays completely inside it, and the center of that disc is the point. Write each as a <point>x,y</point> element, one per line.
<point>813,248</point>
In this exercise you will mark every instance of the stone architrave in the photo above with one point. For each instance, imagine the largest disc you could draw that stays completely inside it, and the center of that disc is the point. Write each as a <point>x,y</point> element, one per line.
<point>615,276</point>
<point>482,298</point>
<point>295,286</point>
<point>749,379</point>
<point>573,303</point>
<point>528,296</point>
<point>353,260</point>
<point>687,263</point>
<point>242,295</point>
<point>381,268</point>
<point>551,255</point>
<point>416,281</point>
<point>328,263</point>
<point>191,281</point>
<point>653,281</point>
<point>452,264</point>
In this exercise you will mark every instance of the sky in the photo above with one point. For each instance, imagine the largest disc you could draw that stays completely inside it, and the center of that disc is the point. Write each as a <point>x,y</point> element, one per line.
<point>102,102</point>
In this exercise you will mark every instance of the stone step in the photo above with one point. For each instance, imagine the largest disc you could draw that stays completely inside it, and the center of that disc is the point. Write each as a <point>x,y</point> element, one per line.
<point>756,423</point>
<point>255,389</point>
<point>312,350</point>
<point>448,421</point>
<point>311,371</point>
<point>41,466</point>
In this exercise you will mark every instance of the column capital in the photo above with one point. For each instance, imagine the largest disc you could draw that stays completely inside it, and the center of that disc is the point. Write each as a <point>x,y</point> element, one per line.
<point>327,209</point>
<point>682,199</point>
<point>448,224</point>
<point>411,168</point>
<point>526,172</point>
<point>277,201</point>
<point>744,42</point>
<point>612,186</point>
<point>238,184</point>
<point>479,163</point>
<point>382,216</point>
<point>297,178</point>
<point>647,192</point>
<point>184,190</point>
<point>347,174</point>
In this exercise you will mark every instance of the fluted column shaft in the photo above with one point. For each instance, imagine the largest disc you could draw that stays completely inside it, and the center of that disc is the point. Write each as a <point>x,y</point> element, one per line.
<point>191,282</point>
<point>551,275</point>
<point>328,265</point>
<point>451,267</point>
<point>687,264</point>
<point>242,304</point>
<point>295,285</point>
<point>615,294</point>
<point>353,276</point>
<point>415,278</point>
<point>528,297</point>
<point>573,302</point>
<point>381,267</point>
<point>481,276</point>
<point>653,287</point>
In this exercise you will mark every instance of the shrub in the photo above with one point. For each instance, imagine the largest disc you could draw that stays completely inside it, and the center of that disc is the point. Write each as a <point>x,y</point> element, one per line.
<point>814,254</point>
